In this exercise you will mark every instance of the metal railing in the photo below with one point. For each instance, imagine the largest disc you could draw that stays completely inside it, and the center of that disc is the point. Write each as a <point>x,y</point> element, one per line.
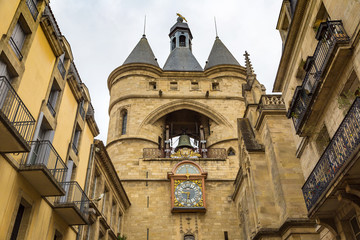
<point>61,68</point>
<point>75,197</point>
<point>51,108</point>
<point>44,154</point>
<point>343,144</point>
<point>330,34</point>
<point>15,48</point>
<point>33,9</point>
<point>205,153</point>
<point>15,110</point>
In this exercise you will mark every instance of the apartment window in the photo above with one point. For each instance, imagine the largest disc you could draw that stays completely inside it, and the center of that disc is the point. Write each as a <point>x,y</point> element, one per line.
<point>103,209</point>
<point>355,227</point>
<point>152,85</point>
<point>61,66</point>
<point>81,109</point>
<point>21,221</point>
<point>17,40</point>
<point>113,213</point>
<point>215,86</point>
<point>75,143</point>
<point>124,115</point>
<point>194,86</point>
<point>321,16</point>
<point>32,7</point>
<point>119,223</point>
<point>95,184</point>
<point>322,140</point>
<point>53,96</point>
<point>173,85</point>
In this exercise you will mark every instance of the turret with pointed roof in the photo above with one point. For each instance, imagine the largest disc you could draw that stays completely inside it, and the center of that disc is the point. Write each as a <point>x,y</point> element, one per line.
<point>181,57</point>
<point>220,55</point>
<point>142,53</point>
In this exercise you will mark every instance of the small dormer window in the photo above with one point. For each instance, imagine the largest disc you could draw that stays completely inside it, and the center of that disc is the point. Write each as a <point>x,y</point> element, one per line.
<point>182,41</point>
<point>173,85</point>
<point>215,86</point>
<point>152,85</point>
<point>194,86</point>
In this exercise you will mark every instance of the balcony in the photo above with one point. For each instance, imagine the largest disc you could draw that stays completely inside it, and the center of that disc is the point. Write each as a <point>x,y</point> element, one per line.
<point>44,169</point>
<point>16,122</point>
<point>330,35</point>
<point>61,68</point>
<point>337,161</point>
<point>33,9</point>
<point>210,153</point>
<point>73,207</point>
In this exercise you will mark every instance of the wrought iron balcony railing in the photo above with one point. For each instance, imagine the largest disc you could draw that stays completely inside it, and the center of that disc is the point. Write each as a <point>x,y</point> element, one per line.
<point>51,108</point>
<point>43,154</point>
<point>61,68</point>
<point>330,34</point>
<point>75,198</point>
<point>219,153</point>
<point>33,9</point>
<point>15,110</point>
<point>15,48</point>
<point>343,144</point>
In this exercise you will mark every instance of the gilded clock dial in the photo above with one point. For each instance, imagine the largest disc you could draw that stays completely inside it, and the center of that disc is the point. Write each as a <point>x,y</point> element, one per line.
<point>188,194</point>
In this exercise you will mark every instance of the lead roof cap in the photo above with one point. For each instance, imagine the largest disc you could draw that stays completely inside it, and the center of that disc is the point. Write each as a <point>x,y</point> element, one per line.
<point>220,55</point>
<point>142,53</point>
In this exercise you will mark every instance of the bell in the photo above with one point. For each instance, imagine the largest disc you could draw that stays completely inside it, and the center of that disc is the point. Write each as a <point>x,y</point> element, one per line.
<point>184,141</point>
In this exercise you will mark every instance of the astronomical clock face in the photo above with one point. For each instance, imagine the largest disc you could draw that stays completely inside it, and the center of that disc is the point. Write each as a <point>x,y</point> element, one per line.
<point>188,193</point>
<point>187,169</point>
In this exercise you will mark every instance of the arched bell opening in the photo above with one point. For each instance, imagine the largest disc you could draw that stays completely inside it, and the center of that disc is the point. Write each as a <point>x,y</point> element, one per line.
<point>185,134</point>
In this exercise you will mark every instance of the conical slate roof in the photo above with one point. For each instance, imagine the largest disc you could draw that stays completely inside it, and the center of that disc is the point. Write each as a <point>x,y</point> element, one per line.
<point>220,55</point>
<point>182,59</point>
<point>142,53</point>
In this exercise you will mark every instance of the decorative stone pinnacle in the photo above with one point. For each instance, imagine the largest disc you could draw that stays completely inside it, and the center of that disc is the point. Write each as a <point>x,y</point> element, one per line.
<point>248,65</point>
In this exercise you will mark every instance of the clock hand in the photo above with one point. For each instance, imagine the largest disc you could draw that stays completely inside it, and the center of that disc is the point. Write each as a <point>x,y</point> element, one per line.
<point>187,193</point>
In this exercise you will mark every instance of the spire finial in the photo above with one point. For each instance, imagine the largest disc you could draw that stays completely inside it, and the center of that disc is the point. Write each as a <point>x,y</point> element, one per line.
<point>217,36</point>
<point>144,26</point>
<point>248,65</point>
<point>181,17</point>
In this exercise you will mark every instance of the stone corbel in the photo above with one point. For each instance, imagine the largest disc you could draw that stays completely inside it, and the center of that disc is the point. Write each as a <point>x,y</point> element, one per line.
<point>353,189</point>
<point>350,198</point>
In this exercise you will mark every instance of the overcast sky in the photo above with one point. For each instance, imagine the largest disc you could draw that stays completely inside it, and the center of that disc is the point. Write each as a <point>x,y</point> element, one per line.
<point>103,33</point>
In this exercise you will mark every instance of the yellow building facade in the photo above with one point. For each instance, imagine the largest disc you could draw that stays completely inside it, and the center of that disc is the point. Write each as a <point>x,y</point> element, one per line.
<point>47,133</point>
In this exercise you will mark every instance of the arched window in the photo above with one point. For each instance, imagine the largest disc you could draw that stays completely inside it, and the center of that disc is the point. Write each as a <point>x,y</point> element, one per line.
<point>124,114</point>
<point>189,237</point>
<point>173,43</point>
<point>182,42</point>
<point>231,152</point>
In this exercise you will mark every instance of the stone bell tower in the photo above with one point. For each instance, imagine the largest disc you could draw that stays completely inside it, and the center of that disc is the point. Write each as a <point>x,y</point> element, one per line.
<point>177,192</point>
